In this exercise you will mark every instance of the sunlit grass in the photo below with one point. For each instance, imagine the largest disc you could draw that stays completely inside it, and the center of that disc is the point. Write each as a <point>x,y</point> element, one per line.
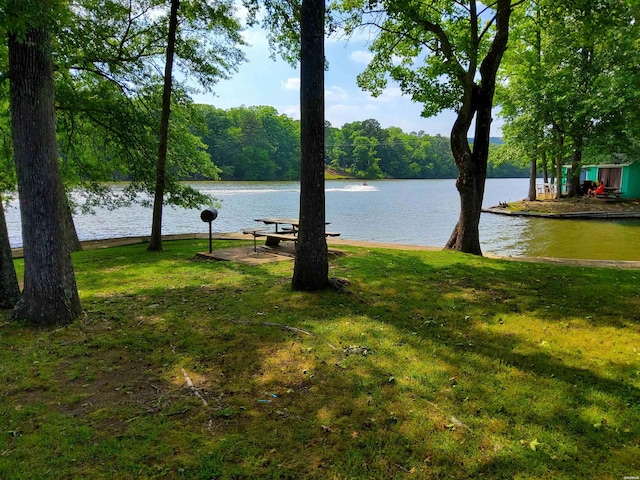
<point>430,365</point>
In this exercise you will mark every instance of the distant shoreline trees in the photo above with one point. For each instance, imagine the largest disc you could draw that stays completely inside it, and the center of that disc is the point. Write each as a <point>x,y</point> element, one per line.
<point>258,143</point>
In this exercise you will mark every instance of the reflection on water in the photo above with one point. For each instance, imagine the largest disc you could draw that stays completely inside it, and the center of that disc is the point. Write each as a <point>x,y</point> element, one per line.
<point>596,239</point>
<point>417,212</point>
<point>503,235</point>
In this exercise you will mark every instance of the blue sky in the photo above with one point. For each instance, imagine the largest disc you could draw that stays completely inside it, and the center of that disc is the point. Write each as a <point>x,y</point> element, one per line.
<point>263,81</point>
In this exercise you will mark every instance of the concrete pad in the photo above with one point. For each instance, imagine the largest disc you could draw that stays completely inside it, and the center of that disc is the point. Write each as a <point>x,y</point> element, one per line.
<point>248,256</point>
<point>263,254</point>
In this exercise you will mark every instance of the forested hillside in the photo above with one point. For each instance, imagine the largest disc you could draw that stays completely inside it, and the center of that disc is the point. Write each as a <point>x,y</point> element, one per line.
<point>258,143</point>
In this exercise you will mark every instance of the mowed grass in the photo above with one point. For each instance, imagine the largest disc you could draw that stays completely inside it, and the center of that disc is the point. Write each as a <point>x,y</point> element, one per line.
<point>428,365</point>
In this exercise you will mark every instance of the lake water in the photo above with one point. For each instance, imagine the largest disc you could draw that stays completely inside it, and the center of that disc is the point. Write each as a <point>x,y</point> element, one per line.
<point>417,212</point>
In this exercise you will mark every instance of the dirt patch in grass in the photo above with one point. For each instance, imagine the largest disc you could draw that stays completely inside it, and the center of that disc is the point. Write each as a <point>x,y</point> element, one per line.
<point>125,383</point>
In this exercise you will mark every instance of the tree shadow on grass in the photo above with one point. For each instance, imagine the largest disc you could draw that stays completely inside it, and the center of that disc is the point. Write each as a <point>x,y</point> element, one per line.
<point>446,391</point>
<point>449,302</point>
<point>548,292</point>
<point>450,305</point>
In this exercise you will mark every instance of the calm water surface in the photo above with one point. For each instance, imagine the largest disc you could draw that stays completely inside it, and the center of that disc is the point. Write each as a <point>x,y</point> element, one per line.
<point>418,212</point>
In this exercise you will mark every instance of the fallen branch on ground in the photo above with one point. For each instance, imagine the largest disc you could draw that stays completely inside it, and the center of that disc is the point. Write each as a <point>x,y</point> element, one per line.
<point>454,421</point>
<point>339,284</point>
<point>273,324</point>
<point>193,387</point>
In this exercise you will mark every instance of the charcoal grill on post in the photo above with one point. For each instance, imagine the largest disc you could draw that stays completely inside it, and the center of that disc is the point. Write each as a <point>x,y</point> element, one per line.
<point>209,215</point>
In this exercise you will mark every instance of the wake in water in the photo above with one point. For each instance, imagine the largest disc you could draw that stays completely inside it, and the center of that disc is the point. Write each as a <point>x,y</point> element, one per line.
<point>257,191</point>
<point>247,191</point>
<point>365,187</point>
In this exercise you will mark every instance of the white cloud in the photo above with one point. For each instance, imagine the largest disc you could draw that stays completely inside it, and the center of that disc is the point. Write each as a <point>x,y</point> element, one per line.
<point>255,38</point>
<point>361,56</point>
<point>388,95</point>
<point>335,94</point>
<point>292,111</point>
<point>291,84</point>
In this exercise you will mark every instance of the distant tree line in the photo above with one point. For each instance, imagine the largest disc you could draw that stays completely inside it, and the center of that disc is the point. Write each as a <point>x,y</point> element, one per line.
<point>258,143</point>
<point>252,143</point>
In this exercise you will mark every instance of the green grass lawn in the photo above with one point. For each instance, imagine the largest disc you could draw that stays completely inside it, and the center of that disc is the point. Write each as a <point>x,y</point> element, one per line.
<point>429,365</point>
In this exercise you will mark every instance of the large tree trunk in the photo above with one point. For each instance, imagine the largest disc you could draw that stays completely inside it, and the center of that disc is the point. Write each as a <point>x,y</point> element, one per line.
<point>470,183</point>
<point>573,181</point>
<point>533,171</point>
<point>472,165</point>
<point>155,243</point>
<point>69,228</point>
<point>466,235</point>
<point>311,269</point>
<point>559,178</point>
<point>50,295</point>
<point>558,165</point>
<point>472,168</point>
<point>9,289</point>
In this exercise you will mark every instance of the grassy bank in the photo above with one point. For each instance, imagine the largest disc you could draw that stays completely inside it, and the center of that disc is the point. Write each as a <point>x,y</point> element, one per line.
<point>429,365</point>
<point>333,174</point>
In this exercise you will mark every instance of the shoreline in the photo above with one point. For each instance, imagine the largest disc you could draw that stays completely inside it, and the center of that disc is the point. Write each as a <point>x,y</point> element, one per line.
<point>124,241</point>
<point>585,215</point>
<point>576,208</point>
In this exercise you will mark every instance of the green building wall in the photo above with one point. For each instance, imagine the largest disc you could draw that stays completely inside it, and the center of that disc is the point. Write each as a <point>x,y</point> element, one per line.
<point>630,187</point>
<point>591,173</point>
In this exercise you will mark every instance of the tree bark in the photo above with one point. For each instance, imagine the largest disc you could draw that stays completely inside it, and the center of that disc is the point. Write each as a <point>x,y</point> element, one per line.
<point>311,268</point>
<point>465,236</point>
<point>533,171</point>
<point>573,181</point>
<point>50,294</point>
<point>559,178</point>
<point>472,165</point>
<point>559,167</point>
<point>9,289</point>
<point>69,228</point>
<point>472,168</point>
<point>155,243</point>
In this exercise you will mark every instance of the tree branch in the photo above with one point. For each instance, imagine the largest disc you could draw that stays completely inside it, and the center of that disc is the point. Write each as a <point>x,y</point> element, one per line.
<point>445,45</point>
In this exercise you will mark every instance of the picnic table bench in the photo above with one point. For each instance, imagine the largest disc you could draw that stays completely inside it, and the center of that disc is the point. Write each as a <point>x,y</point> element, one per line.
<point>256,232</point>
<point>286,229</point>
<point>611,192</point>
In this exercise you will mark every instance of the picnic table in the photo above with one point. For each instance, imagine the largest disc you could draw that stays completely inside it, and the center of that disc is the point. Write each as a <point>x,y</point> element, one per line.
<point>611,192</point>
<point>285,229</point>
<point>288,225</point>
